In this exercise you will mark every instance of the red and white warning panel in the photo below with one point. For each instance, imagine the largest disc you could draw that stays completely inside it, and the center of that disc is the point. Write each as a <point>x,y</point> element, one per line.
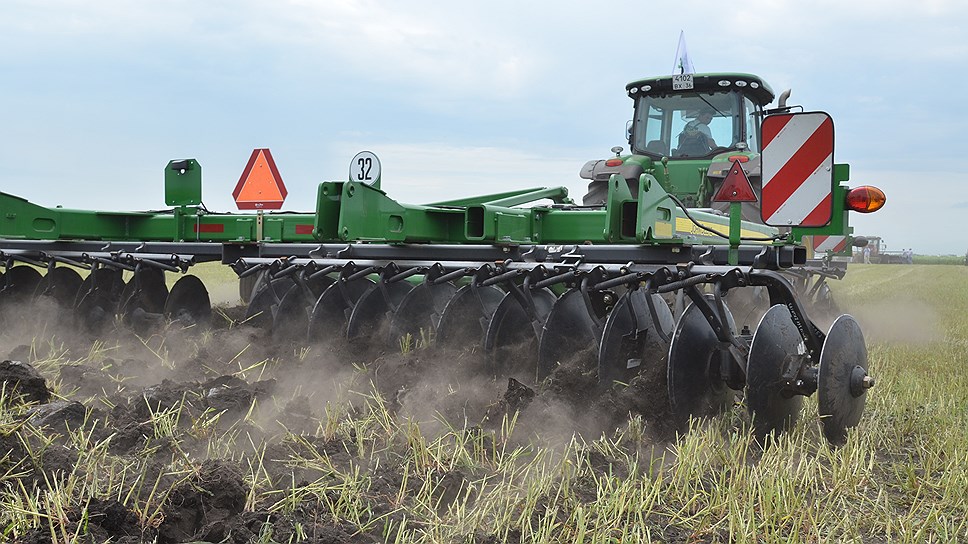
<point>823,244</point>
<point>260,187</point>
<point>797,166</point>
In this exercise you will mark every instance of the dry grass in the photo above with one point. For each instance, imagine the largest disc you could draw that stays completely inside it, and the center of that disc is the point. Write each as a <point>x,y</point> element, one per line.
<point>901,477</point>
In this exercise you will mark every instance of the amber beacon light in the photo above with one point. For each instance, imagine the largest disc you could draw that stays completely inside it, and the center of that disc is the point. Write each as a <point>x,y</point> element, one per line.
<point>865,199</point>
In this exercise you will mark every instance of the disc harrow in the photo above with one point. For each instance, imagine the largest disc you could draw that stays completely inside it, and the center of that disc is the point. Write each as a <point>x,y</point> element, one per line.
<point>530,317</point>
<point>659,276</point>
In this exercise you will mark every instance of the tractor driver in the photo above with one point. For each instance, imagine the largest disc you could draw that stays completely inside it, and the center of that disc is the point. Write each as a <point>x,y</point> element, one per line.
<point>701,123</point>
<point>696,138</point>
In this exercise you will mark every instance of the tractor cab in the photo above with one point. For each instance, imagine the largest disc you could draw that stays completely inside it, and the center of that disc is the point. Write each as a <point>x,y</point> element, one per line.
<point>686,130</point>
<point>693,116</point>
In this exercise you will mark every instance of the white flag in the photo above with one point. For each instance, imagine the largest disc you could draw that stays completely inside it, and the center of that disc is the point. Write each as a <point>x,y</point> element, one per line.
<point>683,62</point>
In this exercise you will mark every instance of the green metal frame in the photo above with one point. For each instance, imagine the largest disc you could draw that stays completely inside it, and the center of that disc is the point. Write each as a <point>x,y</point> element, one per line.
<point>352,211</point>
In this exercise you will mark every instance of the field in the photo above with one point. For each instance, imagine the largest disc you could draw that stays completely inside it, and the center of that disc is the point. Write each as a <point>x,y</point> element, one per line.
<point>226,436</point>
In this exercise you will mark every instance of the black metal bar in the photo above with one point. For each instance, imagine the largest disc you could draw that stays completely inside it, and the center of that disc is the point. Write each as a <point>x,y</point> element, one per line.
<point>404,275</point>
<point>253,270</point>
<point>634,277</point>
<point>324,271</point>
<point>504,276</point>
<point>459,273</point>
<point>560,278</point>
<point>111,263</point>
<point>366,271</point>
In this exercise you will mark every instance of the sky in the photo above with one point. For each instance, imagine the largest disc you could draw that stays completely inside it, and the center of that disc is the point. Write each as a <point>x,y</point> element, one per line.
<point>459,98</point>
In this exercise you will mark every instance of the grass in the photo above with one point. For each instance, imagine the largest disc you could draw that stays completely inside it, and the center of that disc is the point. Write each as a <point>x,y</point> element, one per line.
<point>939,259</point>
<point>901,477</point>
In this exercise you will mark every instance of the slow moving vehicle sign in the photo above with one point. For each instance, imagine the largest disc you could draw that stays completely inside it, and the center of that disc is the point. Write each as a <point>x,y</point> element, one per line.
<point>260,187</point>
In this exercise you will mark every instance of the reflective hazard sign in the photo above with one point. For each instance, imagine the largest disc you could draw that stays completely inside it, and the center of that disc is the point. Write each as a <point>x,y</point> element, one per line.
<point>736,187</point>
<point>260,187</point>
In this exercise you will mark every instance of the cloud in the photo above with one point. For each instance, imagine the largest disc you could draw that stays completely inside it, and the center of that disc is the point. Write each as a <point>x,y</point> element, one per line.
<point>420,44</point>
<point>432,172</point>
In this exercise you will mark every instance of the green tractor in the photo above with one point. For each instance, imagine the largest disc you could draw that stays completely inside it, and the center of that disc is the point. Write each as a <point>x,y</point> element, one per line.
<point>687,131</point>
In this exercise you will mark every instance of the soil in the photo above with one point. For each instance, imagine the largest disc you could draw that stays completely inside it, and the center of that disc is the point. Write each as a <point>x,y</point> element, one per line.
<point>158,399</point>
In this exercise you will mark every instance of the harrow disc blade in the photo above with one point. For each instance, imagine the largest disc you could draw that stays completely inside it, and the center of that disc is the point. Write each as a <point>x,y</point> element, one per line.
<point>512,337</point>
<point>631,343</point>
<point>284,305</point>
<point>696,386</point>
<point>570,333</point>
<point>333,308</point>
<point>60,284</point>
<point>419,312</point>
<point>20,282</point>
<point>188,302</point>
<point>823,302</point>
<point>370,316</point>
<point>146,291</point>
<point>776,344</point>
<point>98,297</point>
<point>465,318</point>
<point>265,299</point>
<point>290,316</point>
<point>842,382</point>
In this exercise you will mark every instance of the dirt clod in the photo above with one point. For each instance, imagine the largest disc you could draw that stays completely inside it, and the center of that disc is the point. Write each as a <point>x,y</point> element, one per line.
<point>22,379</point>
<point>57,414</point>
<point>214,494</point>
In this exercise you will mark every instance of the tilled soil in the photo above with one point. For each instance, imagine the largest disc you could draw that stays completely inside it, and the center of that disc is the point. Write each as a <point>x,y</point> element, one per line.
<point>188,411</point>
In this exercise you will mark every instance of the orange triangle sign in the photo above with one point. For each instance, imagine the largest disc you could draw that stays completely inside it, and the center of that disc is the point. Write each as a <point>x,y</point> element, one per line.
<point>736,187</point>
<point>261,186</point>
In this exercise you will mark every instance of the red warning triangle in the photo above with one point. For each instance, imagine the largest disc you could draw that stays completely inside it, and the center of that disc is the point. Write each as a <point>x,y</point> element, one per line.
<point>261,186</point>
<point>736,187</point>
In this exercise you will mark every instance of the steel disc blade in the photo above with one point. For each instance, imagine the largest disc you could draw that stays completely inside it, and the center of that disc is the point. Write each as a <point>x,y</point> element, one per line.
<point>823,303</point>
<point>511,340</point>
<point>570,334</point>
<point>105,284</point>
<point>146,291</point>
<point>776,338</point>
<point>696,386</point>
<point>290,317</point>
<point>188,302</point>
<point>843,365</point>
<point>631,343</point>
<point>61,284</point>
<point>419,312</point>
<point>265,298</point>
<point>98,297</point>
<point>20,282</point>
<point>249,284</point>
<point>334,306</point>
<point>371,314</point>
<point>467,314</point>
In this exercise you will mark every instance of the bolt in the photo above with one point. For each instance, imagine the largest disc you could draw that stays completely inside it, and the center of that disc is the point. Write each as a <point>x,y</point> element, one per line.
<point>868,382</point>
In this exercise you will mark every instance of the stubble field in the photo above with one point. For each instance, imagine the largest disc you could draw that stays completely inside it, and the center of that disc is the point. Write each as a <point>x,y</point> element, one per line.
<point>227,436</point>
